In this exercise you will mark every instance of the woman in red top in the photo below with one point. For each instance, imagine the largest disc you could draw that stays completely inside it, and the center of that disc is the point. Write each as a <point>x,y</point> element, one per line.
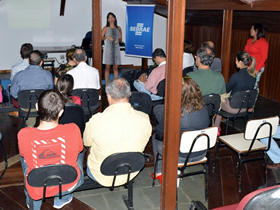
<point>257,47</point>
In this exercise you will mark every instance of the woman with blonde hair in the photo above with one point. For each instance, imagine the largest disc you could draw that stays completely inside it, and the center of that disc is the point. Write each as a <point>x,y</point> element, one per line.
<point>242,80</point>
<point>194,116</point>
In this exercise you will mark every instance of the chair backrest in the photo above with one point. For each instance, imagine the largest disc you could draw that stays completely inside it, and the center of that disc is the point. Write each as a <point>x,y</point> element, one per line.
<point>201,142</point>
<point>243,99</point>
<point>121,162</point>
<point>89,98</point>
<point>161,88</point>
<point>50,174</point>
<point>187,70</point>
<point>261,127</point>
<point>28,98</point>
<point>213,103</point>
<point>141,101</point>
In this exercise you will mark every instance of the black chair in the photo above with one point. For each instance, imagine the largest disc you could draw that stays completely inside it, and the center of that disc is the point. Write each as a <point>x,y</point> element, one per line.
<point>51,175</point>
<point>141,101</point>
<point>90,100</point>
<point>119,164</point>
<point>239,100</point>
<point>26,101</point>
<point>160,92</point>
<point>73,114</point>
<point>4,156</point>
<point>187,70</point>
<point>213,103</point>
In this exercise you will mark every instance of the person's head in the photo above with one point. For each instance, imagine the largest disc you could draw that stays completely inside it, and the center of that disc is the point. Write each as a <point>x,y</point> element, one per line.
<point>257,31</point>
<point>80,55</point>
<point>50,105</point>
<point>209,46</point>
<point>244,60</point>
<point>35,58</point>
<point>188,47</point>
<point>70,54</point>
<point>65,85</point>
<point>158,56</point>
<point>111,19</point>
<point>118,90</point>
<point>203,59</point>
<point>25,50</point>
<point>191,96</point>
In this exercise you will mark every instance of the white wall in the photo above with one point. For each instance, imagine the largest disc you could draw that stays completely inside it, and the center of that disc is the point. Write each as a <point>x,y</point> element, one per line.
<point>40,24</point>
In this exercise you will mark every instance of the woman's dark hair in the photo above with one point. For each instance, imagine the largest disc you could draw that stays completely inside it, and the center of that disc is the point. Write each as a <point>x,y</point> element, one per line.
<point>26,50</point>
<point>108,24</point>
<point>259,30</point>
<point>191,96</point>
<point>70,54</point>
<point>50,103</point>
<point>188,47</point>
<point>64,86</point>
<point>248,61</point>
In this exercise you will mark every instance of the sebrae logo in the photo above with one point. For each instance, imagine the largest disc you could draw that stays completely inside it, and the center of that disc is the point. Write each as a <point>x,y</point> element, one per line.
<point>139,29</point>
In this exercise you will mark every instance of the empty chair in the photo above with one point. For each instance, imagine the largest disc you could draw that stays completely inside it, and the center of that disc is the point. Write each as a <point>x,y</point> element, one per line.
<point>141,101</point>
<point>241,101</point>
<point>89,98</point>
<point>26,101</point>
<point>244,144</point>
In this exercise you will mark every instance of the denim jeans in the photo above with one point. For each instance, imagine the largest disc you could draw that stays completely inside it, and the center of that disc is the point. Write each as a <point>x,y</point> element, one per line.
<point>65,195</point>
<point>140,87</point>
<point>274,150</point>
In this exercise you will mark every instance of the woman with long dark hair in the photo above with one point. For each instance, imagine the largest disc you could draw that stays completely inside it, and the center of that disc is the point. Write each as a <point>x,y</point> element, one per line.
<point>257,47</point>
<point>112,36</point>
<point>194,116</point>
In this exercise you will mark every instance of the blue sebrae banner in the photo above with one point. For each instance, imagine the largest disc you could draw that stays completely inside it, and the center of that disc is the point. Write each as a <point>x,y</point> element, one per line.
<point>139,30</point>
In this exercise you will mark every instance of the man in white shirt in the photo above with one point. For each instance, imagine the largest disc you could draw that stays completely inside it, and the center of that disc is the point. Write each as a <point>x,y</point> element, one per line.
<point>84,75</point>
<point>25,51</point>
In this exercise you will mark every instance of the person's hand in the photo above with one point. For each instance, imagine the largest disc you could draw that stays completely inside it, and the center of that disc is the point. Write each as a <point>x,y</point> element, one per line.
<point>143,77</point>
<point>110,38</point>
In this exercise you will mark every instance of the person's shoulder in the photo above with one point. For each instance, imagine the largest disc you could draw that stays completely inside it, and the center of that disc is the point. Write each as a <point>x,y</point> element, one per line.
<point>25,131</point>
<point>263,41</point>
<point>69,127</point>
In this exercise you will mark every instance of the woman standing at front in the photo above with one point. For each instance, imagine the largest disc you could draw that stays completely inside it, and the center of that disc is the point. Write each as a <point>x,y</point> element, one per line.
<point>257,47</point>
<point>112,35</point>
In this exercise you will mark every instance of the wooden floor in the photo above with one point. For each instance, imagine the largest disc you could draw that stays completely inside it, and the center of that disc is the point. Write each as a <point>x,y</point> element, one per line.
<point>222,187</point>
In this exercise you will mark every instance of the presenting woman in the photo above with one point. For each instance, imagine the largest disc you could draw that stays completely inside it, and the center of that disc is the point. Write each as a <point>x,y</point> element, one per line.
<point>242,80</point>
<point>194,116</point>
<point>112,36</point>
<point>257,47</point>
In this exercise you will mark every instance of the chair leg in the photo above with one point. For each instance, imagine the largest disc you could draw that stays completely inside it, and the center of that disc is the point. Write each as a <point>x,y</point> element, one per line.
<point>239,174</point>
<point>128,200</point>
<point>206,181</point>
<point>155,169</point>
<point>265,169</point>
<point>227,121</point>
<point>4,156</point>
<point>216,154</point>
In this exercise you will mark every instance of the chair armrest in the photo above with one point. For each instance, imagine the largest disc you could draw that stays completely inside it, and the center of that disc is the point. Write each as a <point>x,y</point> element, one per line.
<point>147,157</point>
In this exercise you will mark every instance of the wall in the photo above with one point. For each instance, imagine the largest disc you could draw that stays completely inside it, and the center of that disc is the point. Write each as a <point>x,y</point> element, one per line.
<point>40,24</point>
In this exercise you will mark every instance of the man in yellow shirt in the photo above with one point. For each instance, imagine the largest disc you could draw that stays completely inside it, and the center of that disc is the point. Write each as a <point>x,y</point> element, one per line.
<point>119,128</point>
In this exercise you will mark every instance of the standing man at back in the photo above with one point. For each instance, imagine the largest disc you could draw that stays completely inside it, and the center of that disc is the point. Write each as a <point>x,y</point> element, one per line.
<point>25,51</point>
<point>84,75</point>
<point>119,128</point>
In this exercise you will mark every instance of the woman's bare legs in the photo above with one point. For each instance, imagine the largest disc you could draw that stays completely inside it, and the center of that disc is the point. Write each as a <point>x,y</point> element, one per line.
<point>116,71</point>
<point>107,73</point>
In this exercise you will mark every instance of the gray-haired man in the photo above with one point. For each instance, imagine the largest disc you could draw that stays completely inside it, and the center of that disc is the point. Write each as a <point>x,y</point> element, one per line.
<point>119,128</point>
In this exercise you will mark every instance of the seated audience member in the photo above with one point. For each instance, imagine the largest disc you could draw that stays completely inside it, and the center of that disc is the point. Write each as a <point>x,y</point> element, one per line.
<point>208,81</point>
<point>42,146</point>
<point>148,84</point>
<point>33,77</point>
<point>188,60</point>
<point>274,151</point>
<point>73,112</point>
<point>194,116</point>
<point>119,128</point>
<point>210,47</point>
<point>64,68</point>
<point>242,80</point>
<point>25,51</point>
<point>84,75</point>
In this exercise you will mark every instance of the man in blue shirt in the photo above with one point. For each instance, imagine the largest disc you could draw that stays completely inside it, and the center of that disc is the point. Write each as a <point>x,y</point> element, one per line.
<point>33,77</point>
